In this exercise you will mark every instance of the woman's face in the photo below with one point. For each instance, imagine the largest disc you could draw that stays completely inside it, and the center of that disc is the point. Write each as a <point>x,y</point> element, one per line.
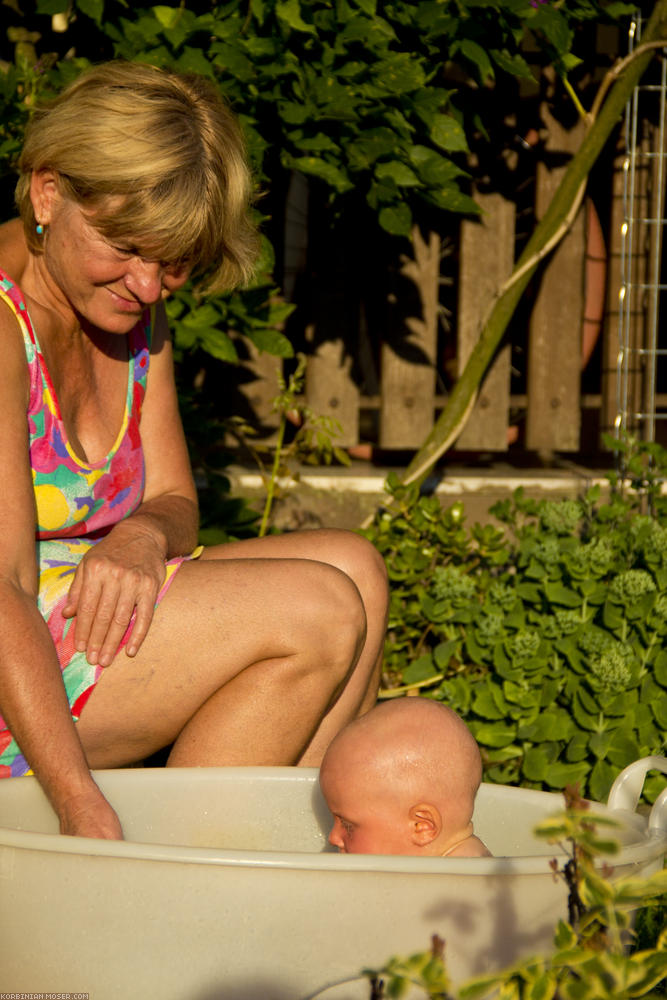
<point>109,286</point>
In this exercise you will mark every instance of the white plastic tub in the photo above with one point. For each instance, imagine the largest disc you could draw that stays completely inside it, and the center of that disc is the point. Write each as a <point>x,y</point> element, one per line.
<point>224,888</point>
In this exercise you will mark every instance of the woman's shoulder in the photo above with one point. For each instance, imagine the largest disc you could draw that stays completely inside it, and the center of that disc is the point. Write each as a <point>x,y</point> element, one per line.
<point>14,316</point>
<point>13,250</point>
<point>14,341</point>
<point>15,325</point>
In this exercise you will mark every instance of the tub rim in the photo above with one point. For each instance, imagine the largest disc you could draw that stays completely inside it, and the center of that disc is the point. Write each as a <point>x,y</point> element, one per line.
<point>648,849</point>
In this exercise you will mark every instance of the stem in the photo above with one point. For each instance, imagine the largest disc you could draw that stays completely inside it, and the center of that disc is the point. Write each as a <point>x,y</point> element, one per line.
<point>581,110</point>
<point>397,692</point>
<point>271,487</point>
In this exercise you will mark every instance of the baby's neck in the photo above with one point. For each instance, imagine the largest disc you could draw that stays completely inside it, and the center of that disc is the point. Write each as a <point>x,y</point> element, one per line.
<point>469,847</point>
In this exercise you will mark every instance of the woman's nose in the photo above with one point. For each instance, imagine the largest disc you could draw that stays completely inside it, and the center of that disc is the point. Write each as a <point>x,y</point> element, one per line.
<point>144,279</point>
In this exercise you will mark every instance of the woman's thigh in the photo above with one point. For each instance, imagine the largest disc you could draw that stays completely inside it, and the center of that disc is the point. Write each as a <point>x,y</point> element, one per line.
<point>219,617</point>
<point>345,550</point>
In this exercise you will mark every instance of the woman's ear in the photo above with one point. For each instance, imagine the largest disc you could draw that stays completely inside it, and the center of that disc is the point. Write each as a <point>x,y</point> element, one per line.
<point>425,824</point>
<point>44,194</point>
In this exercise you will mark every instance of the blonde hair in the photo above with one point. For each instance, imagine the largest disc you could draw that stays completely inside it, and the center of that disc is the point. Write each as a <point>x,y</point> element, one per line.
<point>156,159</point>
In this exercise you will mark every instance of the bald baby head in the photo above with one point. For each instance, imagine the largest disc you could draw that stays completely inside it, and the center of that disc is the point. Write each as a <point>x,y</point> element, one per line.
<point>410,770</point>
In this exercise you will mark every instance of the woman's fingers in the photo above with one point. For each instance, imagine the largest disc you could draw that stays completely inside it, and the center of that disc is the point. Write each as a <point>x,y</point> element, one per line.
<point>104,597</point>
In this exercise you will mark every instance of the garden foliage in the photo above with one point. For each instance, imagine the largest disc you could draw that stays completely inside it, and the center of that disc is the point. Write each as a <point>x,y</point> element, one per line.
<point>546,632</point>
<point>596,955</point>
<point>376,103</point>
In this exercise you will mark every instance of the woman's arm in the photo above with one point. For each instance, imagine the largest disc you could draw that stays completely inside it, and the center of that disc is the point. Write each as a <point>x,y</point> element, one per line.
<point>32,695</point>
<point>13,249</point>
<point>170,498</point>
<point>123,573</point>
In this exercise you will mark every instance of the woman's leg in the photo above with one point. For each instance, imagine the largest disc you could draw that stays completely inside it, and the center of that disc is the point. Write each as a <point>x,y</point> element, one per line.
<point>243,660</point>
<point>359,560</point>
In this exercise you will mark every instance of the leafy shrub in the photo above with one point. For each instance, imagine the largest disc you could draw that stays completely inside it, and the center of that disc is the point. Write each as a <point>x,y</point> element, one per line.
<point>591,959</point>
<point>546,632</point>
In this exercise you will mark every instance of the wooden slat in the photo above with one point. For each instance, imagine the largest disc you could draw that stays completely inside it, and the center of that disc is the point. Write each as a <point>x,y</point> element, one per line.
<point>408,386</point>
<point>487,257</point>
<point>261,390</point>
<point>330,389</point>
<point>553,418</point>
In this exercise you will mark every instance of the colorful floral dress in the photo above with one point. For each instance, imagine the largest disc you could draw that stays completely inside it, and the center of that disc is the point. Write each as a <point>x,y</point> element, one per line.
<point>77,503</point>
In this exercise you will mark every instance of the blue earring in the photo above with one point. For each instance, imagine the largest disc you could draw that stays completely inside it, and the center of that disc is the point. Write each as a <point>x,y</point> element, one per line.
<point>39,229</point>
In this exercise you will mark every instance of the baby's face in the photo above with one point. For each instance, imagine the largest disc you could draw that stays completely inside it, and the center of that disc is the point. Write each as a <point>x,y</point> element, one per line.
<point>363,823</point>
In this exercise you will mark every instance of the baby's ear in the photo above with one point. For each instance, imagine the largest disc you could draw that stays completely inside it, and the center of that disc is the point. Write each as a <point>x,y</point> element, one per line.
<point>425,824</point>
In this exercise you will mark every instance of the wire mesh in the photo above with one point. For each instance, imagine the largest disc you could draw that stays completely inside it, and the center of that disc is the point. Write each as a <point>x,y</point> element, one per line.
<point>640,364</point>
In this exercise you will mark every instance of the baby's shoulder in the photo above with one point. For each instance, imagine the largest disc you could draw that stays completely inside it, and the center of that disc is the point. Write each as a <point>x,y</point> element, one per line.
<point>471,847</point>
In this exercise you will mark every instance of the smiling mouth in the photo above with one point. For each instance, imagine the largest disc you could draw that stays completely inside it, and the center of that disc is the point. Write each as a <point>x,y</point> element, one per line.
<point>126,305</point>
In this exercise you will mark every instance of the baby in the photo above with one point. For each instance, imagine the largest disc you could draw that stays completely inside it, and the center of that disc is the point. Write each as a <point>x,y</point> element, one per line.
<point>402,780</point>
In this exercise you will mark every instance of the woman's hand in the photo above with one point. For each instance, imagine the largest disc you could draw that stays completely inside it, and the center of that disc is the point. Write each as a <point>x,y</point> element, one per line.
<point>90,815</point>
<point>119,577</point>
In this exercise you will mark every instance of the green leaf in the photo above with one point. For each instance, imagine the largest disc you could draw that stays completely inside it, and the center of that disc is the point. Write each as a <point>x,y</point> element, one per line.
<point>612,616</point>
<point>396,219</point>
<point>548,726</point>
<point>494,734</point>
<point>565,937</point>
<point>289,12</point>
<point>485,705</point>
<point>294,114</point>
<point>92,9</point>
<point>271,342</point>
<point>323,169</point>
<point>444,651</point>
<point>553,26</point>
<point>556,593</point>
<point>450,199</point>
<point>194,61</point>
<point>52,6</point>
<point>514,64</point>
<point>478,56</point>
<point>577,748</point>
<point>219,345</point>
<point>601,779</point>
<point>623,748</point>
<point>400,74</point>
<point>560,774</point>
<point>315,143</point>
<point>448,134</point>
<point>543,987</point>
<point>530,592</point>
<point>419,670</point>
<point>433,168</point>
<point>398,172</point>
<point>535,764</point>
<point>660,668</point>
<point>167,16</point>
<point>203,316</point>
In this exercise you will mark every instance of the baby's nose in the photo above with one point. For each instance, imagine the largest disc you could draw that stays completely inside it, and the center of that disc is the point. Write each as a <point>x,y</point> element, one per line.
<point>335,838</point>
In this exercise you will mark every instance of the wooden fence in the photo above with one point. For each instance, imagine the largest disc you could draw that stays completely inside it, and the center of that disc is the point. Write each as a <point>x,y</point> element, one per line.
<point>575,305</point>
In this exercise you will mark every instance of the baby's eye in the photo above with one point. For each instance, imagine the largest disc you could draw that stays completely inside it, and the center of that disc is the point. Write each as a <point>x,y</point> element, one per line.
<point>348,827</point>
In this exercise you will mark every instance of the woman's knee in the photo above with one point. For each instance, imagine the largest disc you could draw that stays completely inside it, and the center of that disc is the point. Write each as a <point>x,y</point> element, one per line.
<point>332,618</point>
<point>361,561</point>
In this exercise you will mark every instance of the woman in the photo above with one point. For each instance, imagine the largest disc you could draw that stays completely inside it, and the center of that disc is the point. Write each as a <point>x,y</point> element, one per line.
<point>116,638</point>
